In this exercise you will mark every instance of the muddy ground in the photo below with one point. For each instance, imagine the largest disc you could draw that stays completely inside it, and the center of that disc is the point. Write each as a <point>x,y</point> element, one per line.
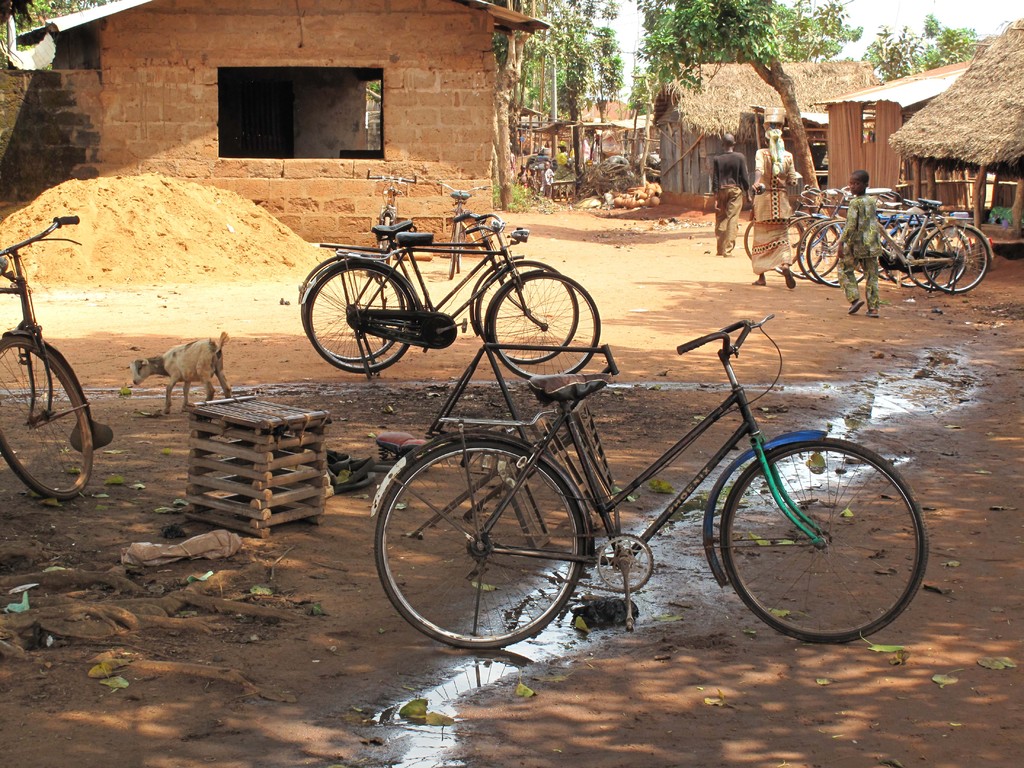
<point>310,674</point>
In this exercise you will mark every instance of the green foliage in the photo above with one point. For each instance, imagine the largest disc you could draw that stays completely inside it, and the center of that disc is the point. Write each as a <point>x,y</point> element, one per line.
<point>814,31</point>
<point>899,54</point>
<point>682,35</point>
<point>582,56</point>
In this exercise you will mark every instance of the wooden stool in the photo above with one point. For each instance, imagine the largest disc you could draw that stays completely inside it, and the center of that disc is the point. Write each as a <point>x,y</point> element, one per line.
<point>253,464</point>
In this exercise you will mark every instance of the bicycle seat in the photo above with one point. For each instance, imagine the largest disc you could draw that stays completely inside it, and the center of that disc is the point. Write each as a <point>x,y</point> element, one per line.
<point>460,195</point>
<point>566,387</point>
<point>390,230</point>
<point>414,238</point>
<point>929,204</point>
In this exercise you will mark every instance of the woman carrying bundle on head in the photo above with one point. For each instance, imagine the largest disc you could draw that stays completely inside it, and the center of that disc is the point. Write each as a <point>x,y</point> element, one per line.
<point>773,173</point>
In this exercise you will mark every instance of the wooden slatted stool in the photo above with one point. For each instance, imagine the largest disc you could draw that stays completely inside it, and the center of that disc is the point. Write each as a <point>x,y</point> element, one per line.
<point>253,464</point>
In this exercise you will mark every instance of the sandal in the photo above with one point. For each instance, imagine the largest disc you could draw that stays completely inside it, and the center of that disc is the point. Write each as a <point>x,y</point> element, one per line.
<point>855,307</point>
<point>873,313</point>
<point>790,280</point>
<point>357,475</point>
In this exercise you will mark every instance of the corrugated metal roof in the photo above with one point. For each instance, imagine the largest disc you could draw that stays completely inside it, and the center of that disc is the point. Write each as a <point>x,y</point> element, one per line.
<point>908,91</point>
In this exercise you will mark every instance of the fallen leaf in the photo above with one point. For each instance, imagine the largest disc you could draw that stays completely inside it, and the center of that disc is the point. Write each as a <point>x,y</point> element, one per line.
<point>115,682</point>
<point>436,718</point>
<point>993,662</point>
<point>660,486</point>
<point>414,710</point>
<point>524,691</point>
<point>943,680</point>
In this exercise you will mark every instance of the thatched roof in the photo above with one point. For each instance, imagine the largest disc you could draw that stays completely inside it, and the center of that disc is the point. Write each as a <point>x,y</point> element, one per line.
<point>979,120</point>
<point>732,89</point>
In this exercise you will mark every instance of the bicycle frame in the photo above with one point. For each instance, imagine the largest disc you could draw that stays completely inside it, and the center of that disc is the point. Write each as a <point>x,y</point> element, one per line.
<point>594,493</point>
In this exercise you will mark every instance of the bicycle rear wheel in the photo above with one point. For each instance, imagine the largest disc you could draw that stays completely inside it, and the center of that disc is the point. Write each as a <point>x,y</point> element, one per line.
<point>543,309</point>
<point>873,556</point>
<point>41,405</point>
<point>461,583</point>
<point>325,315</point>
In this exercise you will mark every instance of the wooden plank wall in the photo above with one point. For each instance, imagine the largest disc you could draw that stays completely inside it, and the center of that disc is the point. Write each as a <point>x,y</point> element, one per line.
<point>848,151</point>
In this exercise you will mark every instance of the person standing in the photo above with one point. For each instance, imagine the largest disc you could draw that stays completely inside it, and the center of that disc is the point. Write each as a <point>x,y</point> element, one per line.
<point>859,247</point>
<point>773,173</point>
<point>729,184</point>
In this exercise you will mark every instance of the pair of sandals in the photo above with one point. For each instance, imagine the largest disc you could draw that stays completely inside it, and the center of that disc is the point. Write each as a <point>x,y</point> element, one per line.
<point>348,474</point>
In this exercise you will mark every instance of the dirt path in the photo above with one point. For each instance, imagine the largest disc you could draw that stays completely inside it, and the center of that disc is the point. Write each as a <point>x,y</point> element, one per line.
<point>935,383</point>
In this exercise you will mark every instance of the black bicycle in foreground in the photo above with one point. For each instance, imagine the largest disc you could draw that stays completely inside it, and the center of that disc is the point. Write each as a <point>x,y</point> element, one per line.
<point>482,536</point>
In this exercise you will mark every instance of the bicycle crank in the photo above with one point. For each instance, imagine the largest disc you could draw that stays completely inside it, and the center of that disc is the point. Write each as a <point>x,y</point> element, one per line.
<point>625,563</point>
<point>420,328</point>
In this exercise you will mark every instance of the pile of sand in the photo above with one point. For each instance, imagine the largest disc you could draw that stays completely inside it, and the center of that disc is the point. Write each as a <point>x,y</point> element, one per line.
<point>150,229</point>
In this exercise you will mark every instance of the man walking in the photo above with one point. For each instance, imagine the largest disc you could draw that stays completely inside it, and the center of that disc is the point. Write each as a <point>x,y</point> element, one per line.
<point>729,183</point>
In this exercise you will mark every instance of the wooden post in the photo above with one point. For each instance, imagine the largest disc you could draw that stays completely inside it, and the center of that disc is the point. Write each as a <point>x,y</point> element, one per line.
<point>1018,209</point>
<point>979,195</point>
<point>918,170</point>
<point>932,187</point>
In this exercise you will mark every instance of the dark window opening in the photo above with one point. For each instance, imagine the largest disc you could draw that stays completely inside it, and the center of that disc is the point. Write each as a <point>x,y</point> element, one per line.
<point>300,112</point>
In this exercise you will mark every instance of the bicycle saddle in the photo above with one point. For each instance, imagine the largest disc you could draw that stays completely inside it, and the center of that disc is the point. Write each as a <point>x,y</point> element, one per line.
<point>566,387</point>
<point>460,195</point>
<point>390,230</point>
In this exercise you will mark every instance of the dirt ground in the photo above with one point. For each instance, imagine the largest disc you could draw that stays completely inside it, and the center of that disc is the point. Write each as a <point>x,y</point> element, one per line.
<point>310,674</point>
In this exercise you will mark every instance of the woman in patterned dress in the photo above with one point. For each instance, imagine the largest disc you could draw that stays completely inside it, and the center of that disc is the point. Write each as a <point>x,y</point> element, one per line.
<point>773,173</point>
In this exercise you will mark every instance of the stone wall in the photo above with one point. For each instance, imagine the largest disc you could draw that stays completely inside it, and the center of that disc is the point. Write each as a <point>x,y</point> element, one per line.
<point>158,106</point>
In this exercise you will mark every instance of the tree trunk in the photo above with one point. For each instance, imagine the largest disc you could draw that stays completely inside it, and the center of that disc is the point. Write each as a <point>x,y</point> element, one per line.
<point>783,84</point>
<point>978,203</point>
<point>507,79</point>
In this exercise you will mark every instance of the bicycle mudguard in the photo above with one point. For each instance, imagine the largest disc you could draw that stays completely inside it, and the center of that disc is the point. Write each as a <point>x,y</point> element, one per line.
<point>724,478</point>
<point>101,434</point>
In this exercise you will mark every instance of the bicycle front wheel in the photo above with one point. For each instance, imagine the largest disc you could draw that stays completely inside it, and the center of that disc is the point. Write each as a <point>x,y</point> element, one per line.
<point>458,238</point>
<point>41,405</point>
<point>353,285</point>
<point>463,578</point>
<point>970,256</point>
<point>869,564</point>
<point>543,309</point>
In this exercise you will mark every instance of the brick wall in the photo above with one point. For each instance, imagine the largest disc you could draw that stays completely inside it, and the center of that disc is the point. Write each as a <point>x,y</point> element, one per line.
<point>48,129</point>
<point>157,110</point>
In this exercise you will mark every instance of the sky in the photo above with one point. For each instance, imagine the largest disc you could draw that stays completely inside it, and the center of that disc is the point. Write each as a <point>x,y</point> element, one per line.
<point>986,17</point>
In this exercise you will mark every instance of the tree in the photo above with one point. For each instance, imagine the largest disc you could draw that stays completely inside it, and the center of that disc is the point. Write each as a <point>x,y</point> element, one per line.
<point>899,54</point>
<point>683,35</point>
<point>810,31</point>
<point>608,76</point>
<point>508,50</point>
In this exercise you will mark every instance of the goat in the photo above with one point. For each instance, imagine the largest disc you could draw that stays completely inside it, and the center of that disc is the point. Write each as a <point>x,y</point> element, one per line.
<point>196,361</point>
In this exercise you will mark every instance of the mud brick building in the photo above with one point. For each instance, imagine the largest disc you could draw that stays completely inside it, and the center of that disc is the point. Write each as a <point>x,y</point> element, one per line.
<point>289,104</point>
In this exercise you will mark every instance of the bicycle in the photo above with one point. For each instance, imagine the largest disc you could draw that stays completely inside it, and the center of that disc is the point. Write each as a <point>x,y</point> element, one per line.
<point>47,434</point>
<point>482,537</point>
<point>458,232</point>
<point>362,313</point>
<point>388,215</point>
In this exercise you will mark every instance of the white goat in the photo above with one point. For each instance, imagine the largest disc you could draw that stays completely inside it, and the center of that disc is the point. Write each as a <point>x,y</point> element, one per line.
<point>196,361</point>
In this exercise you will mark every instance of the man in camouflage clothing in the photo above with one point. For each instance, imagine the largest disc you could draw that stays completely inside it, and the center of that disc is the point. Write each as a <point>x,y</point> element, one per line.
<point>860,247</point>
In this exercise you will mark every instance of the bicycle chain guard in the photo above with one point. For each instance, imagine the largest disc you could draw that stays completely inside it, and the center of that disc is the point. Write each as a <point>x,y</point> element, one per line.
<point>623,560</point>
<point>420,328</point>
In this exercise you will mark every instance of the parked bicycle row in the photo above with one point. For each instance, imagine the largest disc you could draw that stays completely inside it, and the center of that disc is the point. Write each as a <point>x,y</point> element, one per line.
<point>920,246</point>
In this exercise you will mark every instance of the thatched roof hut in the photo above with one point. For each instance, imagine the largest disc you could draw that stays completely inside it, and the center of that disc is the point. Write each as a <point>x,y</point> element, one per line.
<point>729,90</point>
<point>692,122</point>
<point>979,121</point>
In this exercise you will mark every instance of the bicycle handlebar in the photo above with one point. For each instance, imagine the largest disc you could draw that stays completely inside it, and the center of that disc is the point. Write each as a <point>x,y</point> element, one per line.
<point>471,189</point>
<point>725,335</point>
<point>58,222</point>
<point>396,179</point>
